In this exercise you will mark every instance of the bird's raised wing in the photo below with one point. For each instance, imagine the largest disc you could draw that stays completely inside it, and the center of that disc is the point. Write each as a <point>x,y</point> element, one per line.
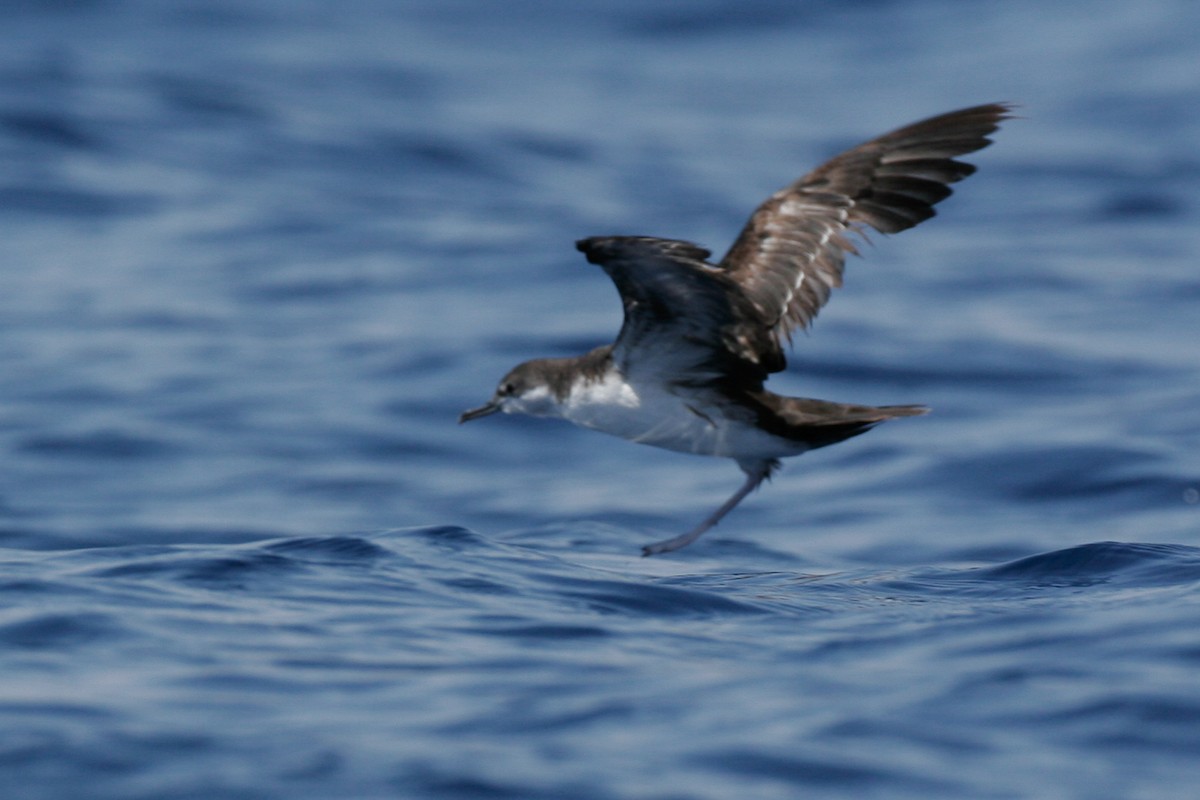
<point>791,253</point>
<point>685,319</point>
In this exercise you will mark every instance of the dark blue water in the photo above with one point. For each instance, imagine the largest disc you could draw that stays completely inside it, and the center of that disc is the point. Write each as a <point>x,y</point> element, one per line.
<point>256,256</point>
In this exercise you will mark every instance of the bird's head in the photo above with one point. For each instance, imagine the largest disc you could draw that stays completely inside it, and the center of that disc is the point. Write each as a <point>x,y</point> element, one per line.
<point>526,389</point>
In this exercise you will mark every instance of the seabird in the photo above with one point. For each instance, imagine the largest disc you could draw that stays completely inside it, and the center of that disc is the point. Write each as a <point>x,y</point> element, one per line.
<point>699,339</point>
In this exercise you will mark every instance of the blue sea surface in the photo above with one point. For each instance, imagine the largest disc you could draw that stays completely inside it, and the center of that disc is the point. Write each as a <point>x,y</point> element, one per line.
<point>256,256</point>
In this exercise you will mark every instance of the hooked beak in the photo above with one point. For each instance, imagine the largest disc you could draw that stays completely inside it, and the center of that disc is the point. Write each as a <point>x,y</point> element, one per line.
<point>491,407</point>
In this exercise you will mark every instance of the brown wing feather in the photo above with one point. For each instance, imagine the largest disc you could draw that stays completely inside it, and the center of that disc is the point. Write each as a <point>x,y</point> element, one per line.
<point>791,253</point>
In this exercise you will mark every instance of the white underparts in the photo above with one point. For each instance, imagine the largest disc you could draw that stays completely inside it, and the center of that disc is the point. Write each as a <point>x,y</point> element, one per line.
<point>674,420</point>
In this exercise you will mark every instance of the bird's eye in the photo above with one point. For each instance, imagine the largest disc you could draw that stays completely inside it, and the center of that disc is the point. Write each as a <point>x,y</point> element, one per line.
<point>507,389</point>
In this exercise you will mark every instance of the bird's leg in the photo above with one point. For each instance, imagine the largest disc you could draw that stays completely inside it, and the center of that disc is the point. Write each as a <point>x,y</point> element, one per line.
<point>756,473</point>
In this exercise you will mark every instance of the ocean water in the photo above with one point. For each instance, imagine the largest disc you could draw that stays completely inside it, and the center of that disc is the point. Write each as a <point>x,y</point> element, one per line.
<point>256,256</point>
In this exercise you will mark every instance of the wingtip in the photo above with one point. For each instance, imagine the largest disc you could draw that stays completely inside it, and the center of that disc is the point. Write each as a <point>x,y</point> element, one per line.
<point>1008,110</point>
<point>590,247</point>
<point>996,113</point>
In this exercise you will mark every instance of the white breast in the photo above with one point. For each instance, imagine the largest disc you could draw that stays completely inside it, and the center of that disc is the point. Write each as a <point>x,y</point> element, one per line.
<point>649,414</point>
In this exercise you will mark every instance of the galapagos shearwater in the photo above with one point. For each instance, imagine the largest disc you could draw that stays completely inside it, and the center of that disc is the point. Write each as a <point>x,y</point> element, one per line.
<point>699,339</point>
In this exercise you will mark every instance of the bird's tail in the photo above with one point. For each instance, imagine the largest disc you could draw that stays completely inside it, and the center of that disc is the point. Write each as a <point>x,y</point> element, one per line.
<point>820,422</point>
<point>891,412</point>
